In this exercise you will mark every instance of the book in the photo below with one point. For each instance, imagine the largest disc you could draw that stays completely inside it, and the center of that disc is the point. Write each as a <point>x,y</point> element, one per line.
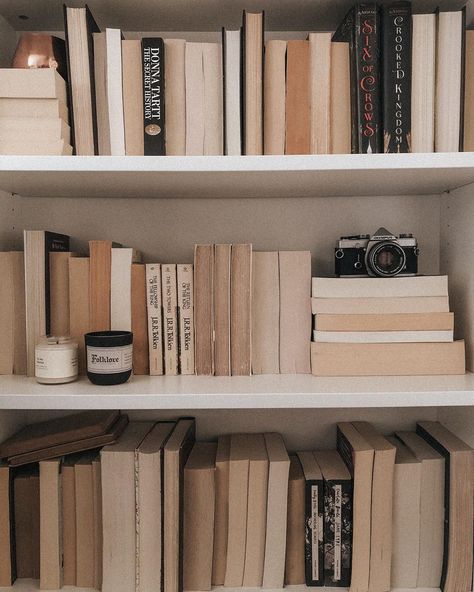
<point>97,520</point>
<point>155,320</point>
<point>79,25</point>
<point>31,129</point>
<point>7,562</point>
<point>240,310</point>
<point>396,68</point>
<point>388,359</point>
<point>265,311</point>
<point>113,40</point>
<point>340,99</point>
<point>59,292</point>
<point>314,519</point>
<point>274,118</point>
<point>35,147</point>
<point>121,288</point>
<point>295,311</point>
<point>337,518</point>
<point>38,244</point>
<point>175,97</point>
<point>405,517</point>
<point>380,305</point>
<point>85,547</point>
<point>468,107</point>
<point>26,517</point>
<point>431,511</point>
<point>423,82</point>
<point>448,95</point>
<point>118,508</point>
<point>222,272</point>
<point>68,509</point>
<point>382,336</point>
<point>50,525</point>
<point>33,83</point>
<point>12,314</point>
<point>382,501</point>
<point>252,82</point>
<point>442,321</point>
<point>458,510</point>
<point>319,92</point>
<point>176,453</point>
<point>185,290</point>
<point>102,106</point>
<point>153,63</point>
<point>299,129</point>
<point>170,318</point>
<point>397,287</point>
<point>221,517</point>
<point>198,516</point>
<point>132,97</point>
<point>195,105</point>
<point>231,59</point>
<point>295,526</point>
<point>139,319</point>
<point>79,305</point>
<point>100,268</point>
<point>277,507</point>
<point>204,309</point>
<point>258,481</point>
<point>35,107</point>
<point>358,456</point>
<point>213,106</point>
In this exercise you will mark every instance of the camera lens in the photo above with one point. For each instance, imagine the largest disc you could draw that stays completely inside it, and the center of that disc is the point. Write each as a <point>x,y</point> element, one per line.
<point>386,259</point>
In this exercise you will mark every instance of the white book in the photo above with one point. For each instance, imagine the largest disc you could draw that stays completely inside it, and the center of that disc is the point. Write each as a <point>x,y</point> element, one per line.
<point>113,39</point>
<point>121,288</point>
<point>195,109</point>
<point>320,85</point>
<point>47,129</point>
<point>175,97</point>
<point>232,93</point>
<point>382,336</point>
<point>416,304</point>
<point>185,289</point>
<point>274,113</point>
<point>37,147</point>
<point>368,287</point>
<point>155,319</point>
<point>170,318</point>
<point>213,112</point>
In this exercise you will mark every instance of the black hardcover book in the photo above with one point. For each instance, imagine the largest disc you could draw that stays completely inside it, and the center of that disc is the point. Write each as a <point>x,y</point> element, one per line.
<point>52,242</point>
<point>153,61</point>
<point>396,72</point>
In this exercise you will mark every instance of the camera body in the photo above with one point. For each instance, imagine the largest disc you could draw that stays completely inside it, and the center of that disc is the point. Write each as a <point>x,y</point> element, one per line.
<point>380,255</point>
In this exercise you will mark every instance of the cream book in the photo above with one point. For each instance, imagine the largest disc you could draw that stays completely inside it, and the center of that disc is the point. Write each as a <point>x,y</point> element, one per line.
<point>274,117</point>
<point>59,292</point>
<point>442,321</point>
<point>320,88</point>
<point>31,129</point>
<point>252,91</point>
<point>231,41</point>
<point>51,561</point>
<point>221,517</point>
<point>170,318</point>
<point>382,336</point>
<point>175,97</point>
<point>240,310</point>
<point>19,147</point>
<point>213,107</point>
<point>34,109</point>
<point>397,287</point>
<point>382,305</point>
<point>68,510</point>
<point>39,83</point>
<point>204,309</point>
<point>195,106</point>
<point>340,99</point>
<point>155,319</point>
<point>185,289</point>
<point>295,530</point>
<point>79,304</point>
<point>222,257</point>
<point>120,288</point>
<point>132,87</point>
<point>113,40</point>
<point>84,498</point>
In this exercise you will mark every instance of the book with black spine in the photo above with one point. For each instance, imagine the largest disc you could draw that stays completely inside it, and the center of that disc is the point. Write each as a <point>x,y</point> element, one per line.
<point>153,62</point>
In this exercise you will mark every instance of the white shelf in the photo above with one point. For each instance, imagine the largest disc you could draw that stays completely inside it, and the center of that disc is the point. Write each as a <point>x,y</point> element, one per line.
<point>255,392</point>
<point>235,176</point>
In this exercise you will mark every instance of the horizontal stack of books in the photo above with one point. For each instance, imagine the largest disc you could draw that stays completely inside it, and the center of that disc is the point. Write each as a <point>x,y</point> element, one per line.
<point>157,510</point>
<point>384,327</point>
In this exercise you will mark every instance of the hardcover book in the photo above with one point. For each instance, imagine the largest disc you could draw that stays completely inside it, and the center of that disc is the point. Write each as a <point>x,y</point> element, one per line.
<point>153,96</point>
<point>26,518</point>
<point>221,518</point>
<point>295,539</point>
<point>7,562</point>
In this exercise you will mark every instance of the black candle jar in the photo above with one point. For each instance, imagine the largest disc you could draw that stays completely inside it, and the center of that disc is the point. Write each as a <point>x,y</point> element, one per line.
<point>109,356</point>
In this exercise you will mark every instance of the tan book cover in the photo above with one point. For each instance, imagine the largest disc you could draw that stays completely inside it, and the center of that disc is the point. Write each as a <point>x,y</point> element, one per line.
<point>213,106</point>
<point>100,80</point>
<point>340,99</point>
<point>79,304</point>
<point>68,503</point>
<point>133,96</point>
<point>175,97</point>
<point>319,92</point>
<point>19,320</point>
<point>380,305</point>
<point>51,556</point>
<point>139,320</point>
<point>120,287</point>
<point>240,310</point>
<point>59,292</point>
<point>222,309</point>
<point>97,518</point>
<point>6,315</point>
<point>198,516</point>
<point>195,106</point>
<point>33,83</point>
<point>295,529</point>
<point>468,92</point>
<point>26,496</point>
<point>170,318</point>
<point>442,321</point>
<point>204,309</point>
<point>99,285</point>
<point>253,83</point>
<point>7,574</point>
<point>265,313</point>
<point>221,515</point>
<point>274,92</point>
<point>34,108</point>
<point>380,287</point>
<point>85,561</point>
<point>155,319</point>
<point>295,312</point>
<point>298,116</point>
<point>185,290</point>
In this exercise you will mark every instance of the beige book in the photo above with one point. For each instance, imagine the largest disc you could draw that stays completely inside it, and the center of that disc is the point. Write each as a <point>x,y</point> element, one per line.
<point>382,500</point>
<point>382,336</point>
<point>295,529</point>
<point>431,509</point>
<point>40,83</point>
<point>222,309</point>
<point>6,315</point>
<point>195,106</point>
<point>59,292</point>
<point>155,320</point>
<point>139,319</point>
<point>265,313</point>
<point>17,262</point>
<point>121,287</point>
<point>416,304</point>
<point>97,519</point>
<point>6,528</point>
<point>51,560</point>
<point>387,359</point>
<point>175,97</point>
<point>442,321</point>
<point>298,115</point>
<point>102,107</point>
<point>295,312</point>
<point>240,310</point>
<point>358,456</point>
<point>320,86</point>
<point>340,99</point>
<point>221,514</point>
<point>85,560</point>
<point>468,92</point>
<point>100,265</point>
<point>133,96</point>
<point>397,287</point>
<point>256,511</point>
<point>79,323</point>
<point>204,309</point>
<point>405,517</point>
<point>118,509</point>
<point>34,108</point>
<point>46,130</point>
<point>253,83</point>
<point>20,147</point>
<point>198,521</point>
<point>232,41</point>
<point>185,289</point>
<point>274,104</point>
<point>68,508</point>
<point>170,318</point>
<point>213,105</point>
<point>277,507</point>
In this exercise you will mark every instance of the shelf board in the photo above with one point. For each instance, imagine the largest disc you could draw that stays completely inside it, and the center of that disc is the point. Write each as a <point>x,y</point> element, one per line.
<point>255,392</point>
<point>235,176</point>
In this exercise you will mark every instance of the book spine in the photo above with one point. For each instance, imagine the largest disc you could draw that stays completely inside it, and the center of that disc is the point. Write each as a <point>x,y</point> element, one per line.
<point>396,45</point>
<point>314,548</point>
<point>155,320</point>
<point>153,61</point>
<point>186,318</point>
<point>52,243</point>
<point>170,318</point>
<point>337,532</point>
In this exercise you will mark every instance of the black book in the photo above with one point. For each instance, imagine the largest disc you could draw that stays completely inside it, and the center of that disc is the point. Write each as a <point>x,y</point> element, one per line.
<point>153,61</point>
<point>396,72</point>
<point>361,29</point>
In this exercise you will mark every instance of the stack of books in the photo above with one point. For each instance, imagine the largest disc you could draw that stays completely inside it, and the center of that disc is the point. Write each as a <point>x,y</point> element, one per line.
<point>384,327</point>
<point>34,116</point>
